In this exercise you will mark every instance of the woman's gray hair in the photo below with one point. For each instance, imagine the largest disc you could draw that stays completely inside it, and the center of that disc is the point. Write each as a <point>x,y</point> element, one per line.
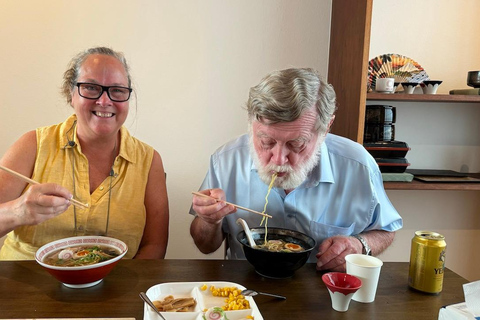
<point>283,96</point>
<point>70,76</point>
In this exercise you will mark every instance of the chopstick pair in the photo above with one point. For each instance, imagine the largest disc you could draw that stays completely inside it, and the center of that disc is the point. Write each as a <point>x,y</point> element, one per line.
<point>235,205</point>
<point>30,181</point>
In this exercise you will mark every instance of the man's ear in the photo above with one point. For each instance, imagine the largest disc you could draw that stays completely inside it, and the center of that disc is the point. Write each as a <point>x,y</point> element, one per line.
<point>330,124</point>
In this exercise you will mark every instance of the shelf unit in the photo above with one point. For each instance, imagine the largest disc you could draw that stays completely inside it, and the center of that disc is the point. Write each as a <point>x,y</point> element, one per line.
<point>348,71</point>
<point>418,185</point>
<point>424,97</point>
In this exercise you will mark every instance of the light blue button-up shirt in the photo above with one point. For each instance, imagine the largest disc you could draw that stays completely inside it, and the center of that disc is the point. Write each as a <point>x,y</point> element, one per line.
<point>343,195</point>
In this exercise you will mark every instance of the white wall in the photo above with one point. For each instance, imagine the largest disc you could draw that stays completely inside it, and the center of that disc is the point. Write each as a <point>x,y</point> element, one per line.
<point>193,63</point>
<point>438,34</point>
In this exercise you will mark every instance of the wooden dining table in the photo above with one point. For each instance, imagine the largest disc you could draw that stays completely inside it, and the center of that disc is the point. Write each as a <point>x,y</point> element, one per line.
<point>27,291</point>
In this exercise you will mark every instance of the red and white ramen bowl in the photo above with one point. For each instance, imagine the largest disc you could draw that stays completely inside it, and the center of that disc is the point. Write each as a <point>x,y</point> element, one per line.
<point>86,275</point>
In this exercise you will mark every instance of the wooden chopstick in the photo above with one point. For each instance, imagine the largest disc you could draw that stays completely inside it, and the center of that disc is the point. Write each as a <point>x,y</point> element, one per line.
<point>235,205</point>
<point>28,180</point>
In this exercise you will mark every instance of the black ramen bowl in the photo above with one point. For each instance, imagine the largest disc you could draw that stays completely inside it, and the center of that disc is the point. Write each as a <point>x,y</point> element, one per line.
<point>276,264</point>
<point>86,275</point>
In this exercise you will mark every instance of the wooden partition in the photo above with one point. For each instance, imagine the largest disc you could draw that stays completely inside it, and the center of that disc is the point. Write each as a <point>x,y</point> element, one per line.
<point>348,60</point>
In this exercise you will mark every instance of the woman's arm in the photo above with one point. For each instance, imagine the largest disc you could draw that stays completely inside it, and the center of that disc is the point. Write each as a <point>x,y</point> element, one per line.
<point>155,236</point>
<point>40,202</point>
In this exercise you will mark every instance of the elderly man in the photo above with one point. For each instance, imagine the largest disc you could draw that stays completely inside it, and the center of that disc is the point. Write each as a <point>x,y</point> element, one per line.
<point>327,186</point>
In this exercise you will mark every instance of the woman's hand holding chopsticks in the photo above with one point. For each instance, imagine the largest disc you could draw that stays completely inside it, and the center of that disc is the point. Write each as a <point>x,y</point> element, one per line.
<point>37,204</point>
<point>41,202</point>
<point>33,182</point>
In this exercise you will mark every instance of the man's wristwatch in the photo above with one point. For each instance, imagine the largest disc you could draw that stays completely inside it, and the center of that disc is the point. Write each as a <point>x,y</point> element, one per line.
<point>366,247</point>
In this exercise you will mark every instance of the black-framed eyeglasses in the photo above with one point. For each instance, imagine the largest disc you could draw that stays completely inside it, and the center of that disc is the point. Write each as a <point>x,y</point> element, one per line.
<point>94,91</point>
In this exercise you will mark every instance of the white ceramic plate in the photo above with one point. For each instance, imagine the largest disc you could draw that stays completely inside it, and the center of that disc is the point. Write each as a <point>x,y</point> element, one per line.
<point>204,299</point>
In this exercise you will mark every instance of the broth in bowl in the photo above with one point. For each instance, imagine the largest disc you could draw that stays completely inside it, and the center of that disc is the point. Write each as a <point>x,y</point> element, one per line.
<point>80,256</point>
<point>279,246</point>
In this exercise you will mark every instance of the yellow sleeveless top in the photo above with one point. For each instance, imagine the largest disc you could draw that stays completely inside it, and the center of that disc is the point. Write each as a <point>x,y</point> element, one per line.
<point>58,162</point>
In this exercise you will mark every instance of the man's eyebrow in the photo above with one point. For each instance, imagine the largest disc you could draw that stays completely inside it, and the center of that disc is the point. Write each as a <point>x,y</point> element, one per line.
<point>262,134</point>
<point>301,139</point>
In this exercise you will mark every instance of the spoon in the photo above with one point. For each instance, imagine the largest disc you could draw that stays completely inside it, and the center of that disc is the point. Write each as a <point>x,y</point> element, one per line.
<point>150,303</point>
<point>252,293</point>
<point>244,224</point>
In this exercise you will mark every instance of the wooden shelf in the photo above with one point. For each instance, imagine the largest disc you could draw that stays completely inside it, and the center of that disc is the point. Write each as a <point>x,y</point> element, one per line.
<point>348,73</point>
<point>423,97</point>
<point>419,185</point>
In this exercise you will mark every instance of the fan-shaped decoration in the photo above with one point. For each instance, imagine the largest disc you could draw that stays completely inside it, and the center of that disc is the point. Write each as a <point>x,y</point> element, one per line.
<point>401,68</point>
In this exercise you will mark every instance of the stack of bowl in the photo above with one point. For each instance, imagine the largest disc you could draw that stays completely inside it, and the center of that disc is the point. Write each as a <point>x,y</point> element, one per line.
<point>379,139</point>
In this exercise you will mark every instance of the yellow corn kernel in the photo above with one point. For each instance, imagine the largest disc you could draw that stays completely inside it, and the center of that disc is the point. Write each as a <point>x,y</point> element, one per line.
<point>234,299</point>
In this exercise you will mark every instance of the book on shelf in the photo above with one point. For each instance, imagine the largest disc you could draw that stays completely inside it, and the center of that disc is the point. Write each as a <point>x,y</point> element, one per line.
<point>397,177</point>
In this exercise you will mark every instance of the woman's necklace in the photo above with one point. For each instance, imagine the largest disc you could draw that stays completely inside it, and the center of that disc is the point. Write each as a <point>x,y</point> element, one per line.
<point>72,144</point>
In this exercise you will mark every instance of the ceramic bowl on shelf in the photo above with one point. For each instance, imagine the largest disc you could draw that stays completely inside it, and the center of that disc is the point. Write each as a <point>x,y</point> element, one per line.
<point>385,85</point>
<point>430,86</point>
<point>409,87</point>
<point>395,86</point>
<point>473,79</point>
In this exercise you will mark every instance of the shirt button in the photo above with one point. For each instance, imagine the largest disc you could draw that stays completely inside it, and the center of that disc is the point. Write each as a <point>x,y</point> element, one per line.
<point>101,188</point>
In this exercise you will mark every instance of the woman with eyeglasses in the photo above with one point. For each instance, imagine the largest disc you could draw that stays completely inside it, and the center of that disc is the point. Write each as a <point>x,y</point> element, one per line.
<point>91,158</point>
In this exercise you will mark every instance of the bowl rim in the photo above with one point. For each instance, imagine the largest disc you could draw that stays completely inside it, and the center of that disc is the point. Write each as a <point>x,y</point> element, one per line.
<point>326,275</point>
<point>409,84</point>
<point>432,82</point>
<point>279,228</point>
<point>86,267</point>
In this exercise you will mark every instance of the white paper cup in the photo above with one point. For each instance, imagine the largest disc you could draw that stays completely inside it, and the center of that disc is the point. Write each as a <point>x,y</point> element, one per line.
<point>367,268</point>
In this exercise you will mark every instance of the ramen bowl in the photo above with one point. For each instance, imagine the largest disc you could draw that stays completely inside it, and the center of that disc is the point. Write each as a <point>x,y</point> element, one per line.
<point>81,276</point>
<point>276,265</point>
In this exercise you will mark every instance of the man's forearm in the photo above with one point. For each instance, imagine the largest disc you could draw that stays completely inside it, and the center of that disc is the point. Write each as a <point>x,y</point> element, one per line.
<point>207,237</point>
<point>378,240</point>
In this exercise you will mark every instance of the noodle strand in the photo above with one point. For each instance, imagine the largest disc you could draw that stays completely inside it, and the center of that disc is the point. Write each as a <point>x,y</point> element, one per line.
<point>265,219</point>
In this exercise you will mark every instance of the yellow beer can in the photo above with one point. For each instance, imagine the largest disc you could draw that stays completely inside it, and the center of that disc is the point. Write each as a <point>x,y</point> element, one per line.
<point>427,262</point>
